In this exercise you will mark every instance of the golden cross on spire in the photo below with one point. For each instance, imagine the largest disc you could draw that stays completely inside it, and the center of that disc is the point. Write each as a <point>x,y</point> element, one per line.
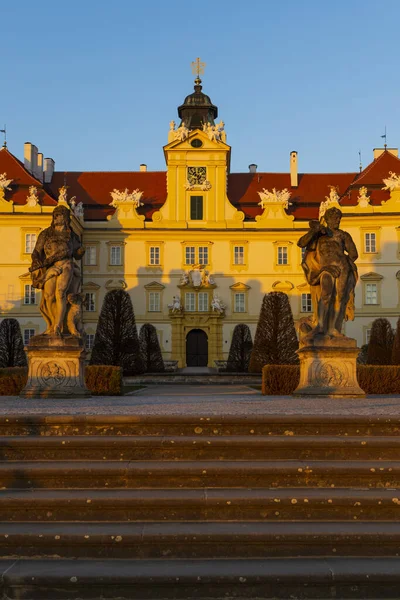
<point>198,67</point>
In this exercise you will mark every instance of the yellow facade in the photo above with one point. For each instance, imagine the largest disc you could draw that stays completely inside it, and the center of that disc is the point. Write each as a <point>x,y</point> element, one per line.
<point>245,257</point>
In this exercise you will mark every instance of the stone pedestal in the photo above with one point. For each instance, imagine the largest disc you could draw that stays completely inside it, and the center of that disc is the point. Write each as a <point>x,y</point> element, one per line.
<point>328,368</point>
<point>56,368</point>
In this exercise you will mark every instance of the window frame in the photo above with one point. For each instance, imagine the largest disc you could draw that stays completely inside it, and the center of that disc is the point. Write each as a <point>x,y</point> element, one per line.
<point>194,208</point>
<point>90,250</point>
<point>188,306</point>
<point>196,254</point>
<point>30,329</point>
<point>368,243</point>
<point>154,305</point>
<point>305,302</point>
<point>90,302</point>
<point>31,294</point>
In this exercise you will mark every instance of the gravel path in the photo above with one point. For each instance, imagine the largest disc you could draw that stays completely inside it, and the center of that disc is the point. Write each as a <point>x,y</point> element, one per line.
<point>201,400</point>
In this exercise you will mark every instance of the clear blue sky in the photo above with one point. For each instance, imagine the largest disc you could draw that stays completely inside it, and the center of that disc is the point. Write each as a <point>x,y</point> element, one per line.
<point>94,84</point>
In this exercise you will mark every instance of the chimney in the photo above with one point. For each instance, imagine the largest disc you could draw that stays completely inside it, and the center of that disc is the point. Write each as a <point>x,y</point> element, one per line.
<point>48,169</point>
<point>143,168</point>
<point>30,157</point>
<point>39,167</point>
<point>294,181</point>
<point>252,168</point>
<point>379,151</point>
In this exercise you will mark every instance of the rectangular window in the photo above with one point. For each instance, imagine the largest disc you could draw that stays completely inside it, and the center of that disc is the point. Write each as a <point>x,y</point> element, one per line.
<point>203,255</point>
<point>116,255</point>
<point>154,302</point>
<point>370,242</point>
<point>90,302</point>
<point>30,241</point>
<point>282,255</point>
<point>238,255</point>
<point>196,208</point>
<point>203,302</point>
<point>239,304</point>
<point>303,253</point>
<point>28,333</point>
<point>190,255</point>
<point>367,336</point>
<point>154,255</point>
<point>30,295</point>
<point>90,255</point>
<point>190,302</point>
<point>371,293</point>
<point>306,305</point>
<point>89,341</point>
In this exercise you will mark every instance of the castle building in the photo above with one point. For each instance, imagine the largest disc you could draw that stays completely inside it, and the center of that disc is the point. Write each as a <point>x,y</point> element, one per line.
<point>197,246</point>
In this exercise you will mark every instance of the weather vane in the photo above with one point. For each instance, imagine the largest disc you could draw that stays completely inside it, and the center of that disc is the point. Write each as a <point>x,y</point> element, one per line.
<point>198,68</point>
<point>384,137</point>
<point>5,136</point>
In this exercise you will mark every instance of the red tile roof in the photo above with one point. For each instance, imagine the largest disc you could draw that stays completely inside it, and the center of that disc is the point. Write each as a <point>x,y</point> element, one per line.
<point>305,198</point>
<point>93,189</point>
<point>21,180</point>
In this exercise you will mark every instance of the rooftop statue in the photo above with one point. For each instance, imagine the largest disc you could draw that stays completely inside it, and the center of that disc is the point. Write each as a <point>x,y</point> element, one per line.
<point>392,182</point>
<point>330,270</point>
<point>274,196</point>
<point>55,271</point>
<point>4,182</point>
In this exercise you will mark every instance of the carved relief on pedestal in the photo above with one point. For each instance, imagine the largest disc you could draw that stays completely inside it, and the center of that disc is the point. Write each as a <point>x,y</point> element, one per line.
<point>330,375</point>
<point>51,374</point>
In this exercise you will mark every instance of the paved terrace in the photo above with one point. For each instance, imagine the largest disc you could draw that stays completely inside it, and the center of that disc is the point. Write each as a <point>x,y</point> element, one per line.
<point>212,400</point>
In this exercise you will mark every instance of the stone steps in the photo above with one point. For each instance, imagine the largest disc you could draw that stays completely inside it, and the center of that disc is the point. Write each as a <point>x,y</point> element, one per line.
<point>199,426</point>
<point>195,447</point>
<point>317,578</point>
<point>201,504</point>
<point>194,540</point>
<point>199,474</point>
<point>200,507</point>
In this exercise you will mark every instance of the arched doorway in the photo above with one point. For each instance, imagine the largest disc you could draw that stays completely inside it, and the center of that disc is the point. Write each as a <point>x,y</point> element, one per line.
<point>196,348</point>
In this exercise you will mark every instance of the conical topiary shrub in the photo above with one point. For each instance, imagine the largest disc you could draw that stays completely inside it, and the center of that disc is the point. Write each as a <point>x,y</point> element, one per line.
<point>380,343</point>
<point>12,352</point>
<point>275,342</point>
<point>116,341</point>
<point>150,349</point>
<point>240,350</point>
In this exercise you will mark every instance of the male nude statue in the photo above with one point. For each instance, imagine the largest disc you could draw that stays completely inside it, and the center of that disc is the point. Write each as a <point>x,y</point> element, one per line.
<point>54,270</point>
<point>329,268</point>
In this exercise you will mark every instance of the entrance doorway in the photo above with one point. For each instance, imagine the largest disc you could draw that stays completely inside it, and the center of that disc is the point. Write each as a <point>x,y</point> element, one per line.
<point>196,348</point>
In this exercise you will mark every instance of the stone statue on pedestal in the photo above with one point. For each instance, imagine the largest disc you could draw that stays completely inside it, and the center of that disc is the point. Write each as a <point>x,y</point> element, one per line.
<point>54,270</point>
<point>330,270</point>
<point>327,357</point>
<point>56,357</point>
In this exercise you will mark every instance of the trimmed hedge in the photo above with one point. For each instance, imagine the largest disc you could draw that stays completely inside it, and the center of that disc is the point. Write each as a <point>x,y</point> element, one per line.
<point>104,380</point>
<point>12,380</point>
<point>100,380</point>
<point>379,379</point>
<point>282,380</point>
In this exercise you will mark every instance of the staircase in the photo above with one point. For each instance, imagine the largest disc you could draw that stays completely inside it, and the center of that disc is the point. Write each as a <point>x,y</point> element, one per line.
<point>209,507</point>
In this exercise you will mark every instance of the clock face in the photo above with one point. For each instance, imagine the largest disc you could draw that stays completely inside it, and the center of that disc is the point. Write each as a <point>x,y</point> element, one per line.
<point>196,175</point>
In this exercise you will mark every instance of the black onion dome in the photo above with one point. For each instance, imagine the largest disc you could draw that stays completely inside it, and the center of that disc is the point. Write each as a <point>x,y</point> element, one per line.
<point>197,109</point>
